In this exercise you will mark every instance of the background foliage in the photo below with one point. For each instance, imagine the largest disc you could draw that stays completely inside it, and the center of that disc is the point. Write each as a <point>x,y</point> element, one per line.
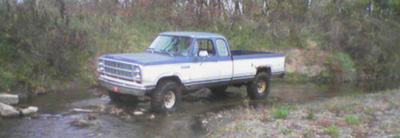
<point>47,44</point>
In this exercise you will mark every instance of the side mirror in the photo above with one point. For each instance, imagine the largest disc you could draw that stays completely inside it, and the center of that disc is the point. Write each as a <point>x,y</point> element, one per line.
<point>203,54</point>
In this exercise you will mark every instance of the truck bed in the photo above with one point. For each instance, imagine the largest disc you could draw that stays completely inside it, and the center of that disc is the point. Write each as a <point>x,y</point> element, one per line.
<point>245,63</point>
<point>240,54</point>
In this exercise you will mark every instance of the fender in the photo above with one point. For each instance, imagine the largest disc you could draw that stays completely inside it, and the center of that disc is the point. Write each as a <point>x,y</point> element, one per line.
<point>166,75</point>
<point>266,68</point>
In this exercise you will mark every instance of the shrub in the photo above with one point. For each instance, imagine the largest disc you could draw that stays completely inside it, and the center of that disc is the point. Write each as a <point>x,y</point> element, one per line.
<point>341,65</point>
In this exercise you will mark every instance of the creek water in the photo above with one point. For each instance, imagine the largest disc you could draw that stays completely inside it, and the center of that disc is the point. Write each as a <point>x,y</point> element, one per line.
<point>55,110</point>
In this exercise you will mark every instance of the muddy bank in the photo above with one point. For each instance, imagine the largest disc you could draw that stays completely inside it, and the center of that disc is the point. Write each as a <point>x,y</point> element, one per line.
<point>355,115</point>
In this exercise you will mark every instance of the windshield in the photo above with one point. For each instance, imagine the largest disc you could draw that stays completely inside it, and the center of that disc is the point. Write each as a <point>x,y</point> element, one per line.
<point>171,45</point>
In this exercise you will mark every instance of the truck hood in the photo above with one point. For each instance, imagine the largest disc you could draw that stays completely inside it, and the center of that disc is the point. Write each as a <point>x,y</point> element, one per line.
<point>147,58</point>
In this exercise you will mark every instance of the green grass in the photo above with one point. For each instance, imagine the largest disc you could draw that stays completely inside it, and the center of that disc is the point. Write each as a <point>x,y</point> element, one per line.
<point>369,110</point>
<point>332,131</point>
<point>353,120</point>
<point>307,134</point>
<point>332,107</point>
<point>282,112</point>
<point>286,132</point>
<point>357,94</point>
<point>310,115</point>
<point>296,76</point>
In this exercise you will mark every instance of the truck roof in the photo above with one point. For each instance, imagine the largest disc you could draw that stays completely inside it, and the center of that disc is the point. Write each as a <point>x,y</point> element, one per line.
<point>194,34</point>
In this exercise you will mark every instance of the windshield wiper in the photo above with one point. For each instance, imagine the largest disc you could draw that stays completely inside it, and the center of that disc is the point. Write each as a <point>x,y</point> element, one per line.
<point>151,49</point>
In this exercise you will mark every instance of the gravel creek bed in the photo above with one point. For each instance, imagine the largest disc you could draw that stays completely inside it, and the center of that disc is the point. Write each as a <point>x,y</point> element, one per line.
<point>355,115</point>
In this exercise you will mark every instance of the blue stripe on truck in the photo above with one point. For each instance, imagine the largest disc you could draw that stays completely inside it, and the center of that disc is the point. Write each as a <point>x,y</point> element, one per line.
<point>207,81</point>
<point>225,79</point>
<point>257,56</point>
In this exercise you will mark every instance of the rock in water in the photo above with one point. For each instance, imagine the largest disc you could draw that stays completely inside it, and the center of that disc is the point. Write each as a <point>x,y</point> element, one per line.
<point>9,98</point>
<point>137,112</point>
<point>82,123</point>
<point>91,117</point>
<point>8,111</point>
<point>29,110</point>
<point>82,110</point>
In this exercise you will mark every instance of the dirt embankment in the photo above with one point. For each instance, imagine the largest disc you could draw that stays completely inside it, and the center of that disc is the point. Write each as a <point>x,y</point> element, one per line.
<point>357,115</point>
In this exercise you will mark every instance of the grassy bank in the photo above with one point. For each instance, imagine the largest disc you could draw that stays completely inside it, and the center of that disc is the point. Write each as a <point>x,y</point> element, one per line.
<point>370,115</point>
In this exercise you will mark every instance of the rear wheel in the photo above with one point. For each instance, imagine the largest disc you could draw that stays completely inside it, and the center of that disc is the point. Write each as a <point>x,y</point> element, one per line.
<point>166,97</point>
<point>259,88</point>
<point>115,97</point>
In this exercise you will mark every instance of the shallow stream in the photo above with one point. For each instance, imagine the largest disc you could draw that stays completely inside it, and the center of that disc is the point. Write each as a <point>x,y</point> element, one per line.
<point>56,110</point>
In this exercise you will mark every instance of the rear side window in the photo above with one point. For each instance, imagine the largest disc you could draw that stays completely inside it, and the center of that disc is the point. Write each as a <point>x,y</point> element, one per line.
<point>222,49</point>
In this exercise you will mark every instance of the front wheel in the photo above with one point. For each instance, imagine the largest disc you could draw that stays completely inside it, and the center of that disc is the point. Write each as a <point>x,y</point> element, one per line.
<point>259,87</point>
<point>166,97</point>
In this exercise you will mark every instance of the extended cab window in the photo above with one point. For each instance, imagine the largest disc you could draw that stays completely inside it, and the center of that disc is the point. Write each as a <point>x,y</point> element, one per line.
<point>222,49</point>
<point>207,45</point>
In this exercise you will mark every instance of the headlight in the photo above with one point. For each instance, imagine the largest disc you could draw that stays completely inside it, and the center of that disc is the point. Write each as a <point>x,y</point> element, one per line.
<point>100,64</point>
<point>136,70</point>
<point>137,74</point>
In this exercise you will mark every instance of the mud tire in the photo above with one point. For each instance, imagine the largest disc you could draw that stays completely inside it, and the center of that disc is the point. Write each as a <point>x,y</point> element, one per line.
<point>163,92</point>
<point>259,87</point>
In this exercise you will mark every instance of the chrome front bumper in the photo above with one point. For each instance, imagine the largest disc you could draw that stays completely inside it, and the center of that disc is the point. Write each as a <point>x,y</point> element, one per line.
<point>124,88</point>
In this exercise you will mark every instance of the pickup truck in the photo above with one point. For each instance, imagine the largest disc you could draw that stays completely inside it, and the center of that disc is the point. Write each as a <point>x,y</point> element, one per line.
<point>181,62</point>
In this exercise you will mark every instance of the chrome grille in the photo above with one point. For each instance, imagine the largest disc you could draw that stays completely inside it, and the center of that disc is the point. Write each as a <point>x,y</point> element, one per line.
<point>117,70</point>
<point>117,65</point>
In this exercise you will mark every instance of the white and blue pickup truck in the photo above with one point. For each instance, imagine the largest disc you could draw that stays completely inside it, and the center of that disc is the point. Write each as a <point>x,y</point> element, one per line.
<point>180,62</point>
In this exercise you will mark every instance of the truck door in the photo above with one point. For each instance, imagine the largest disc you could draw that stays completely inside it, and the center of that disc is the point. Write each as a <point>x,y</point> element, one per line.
<point>204,69</point>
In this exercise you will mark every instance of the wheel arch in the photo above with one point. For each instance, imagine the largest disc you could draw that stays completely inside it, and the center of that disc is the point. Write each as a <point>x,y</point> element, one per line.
<point>171,78</point>
<point>266,69</point>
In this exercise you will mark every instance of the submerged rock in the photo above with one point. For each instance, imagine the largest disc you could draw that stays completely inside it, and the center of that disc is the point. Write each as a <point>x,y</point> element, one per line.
<point>82,110</point>
<point>40,91</point>
<point>82,123</point>
<point>138,113</point>
<point>8,111</point>
<point>51,116</point>
<point>29,110</point>
<point>89,120</point>
<point>91,117</point>
<point>9,98</point>
<point>151,117</point>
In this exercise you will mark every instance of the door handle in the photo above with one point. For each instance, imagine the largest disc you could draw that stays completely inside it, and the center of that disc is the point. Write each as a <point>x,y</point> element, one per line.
<point>185,67</point>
